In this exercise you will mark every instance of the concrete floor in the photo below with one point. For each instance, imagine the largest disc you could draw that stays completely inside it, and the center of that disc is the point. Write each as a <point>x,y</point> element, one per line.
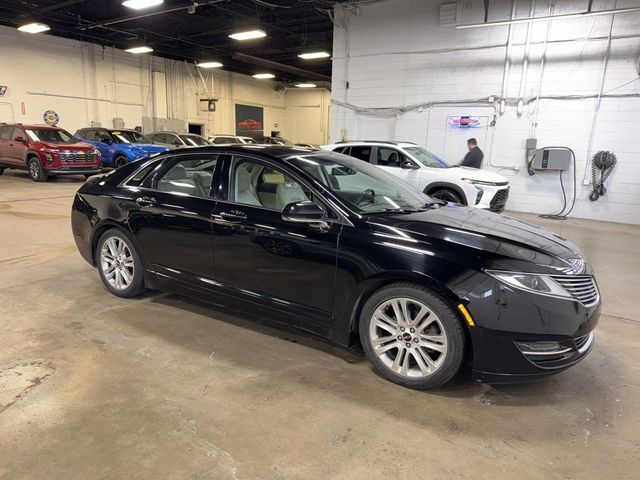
<point>93,386</point>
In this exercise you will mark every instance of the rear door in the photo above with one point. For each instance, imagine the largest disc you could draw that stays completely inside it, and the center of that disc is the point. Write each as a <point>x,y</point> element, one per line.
<point>5,137</point>
<point>170,217</point>
<point>391,160</point>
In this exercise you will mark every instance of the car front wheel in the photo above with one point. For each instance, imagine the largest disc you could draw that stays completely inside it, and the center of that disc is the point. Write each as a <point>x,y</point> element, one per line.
<point>412,336</point>
<point>446,195</point>
<point>36,172</point>
<point>119,264</point>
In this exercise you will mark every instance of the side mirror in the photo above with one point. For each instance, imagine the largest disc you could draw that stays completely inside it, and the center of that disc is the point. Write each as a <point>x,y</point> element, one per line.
<point>106,140</point>
<point>407,165</point>
<point>19,139</point>
<point>303,212</point>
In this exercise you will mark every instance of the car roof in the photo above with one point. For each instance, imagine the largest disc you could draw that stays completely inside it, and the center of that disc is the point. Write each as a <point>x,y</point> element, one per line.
<point>374,142</point>
<point>278,151</point>
<point>25,125</point>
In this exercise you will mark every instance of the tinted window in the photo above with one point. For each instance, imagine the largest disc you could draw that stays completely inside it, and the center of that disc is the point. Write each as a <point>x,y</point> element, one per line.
<point>363,153</point>
<point>193,140</point>
<point>219,140</point>
<point>5,133</point>
<point>191,175</point>
<point>50,135</point>
<point>389,157</point>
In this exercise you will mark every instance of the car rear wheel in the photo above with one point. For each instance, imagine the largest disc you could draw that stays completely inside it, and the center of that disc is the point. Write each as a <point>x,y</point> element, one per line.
<point>447,195</point>
<point>36,172</point>
<point>119,264</point>
<point>120,162</point>
<point>412,336</point>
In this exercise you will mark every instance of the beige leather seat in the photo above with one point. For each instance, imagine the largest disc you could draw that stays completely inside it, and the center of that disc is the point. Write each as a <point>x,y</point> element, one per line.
<point>289,193</point>
<point>245,193</point>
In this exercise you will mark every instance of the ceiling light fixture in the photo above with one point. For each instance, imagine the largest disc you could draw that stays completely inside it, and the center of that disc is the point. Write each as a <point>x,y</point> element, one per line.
<point>313,55</point>
<point>264,75</point>
<point>306,85</point>
<point>550,18</point>
<point>34,27</point>
<point>209,65</point>
<point>142,4</point>
<point>248,35</point>
<point>140,49</point>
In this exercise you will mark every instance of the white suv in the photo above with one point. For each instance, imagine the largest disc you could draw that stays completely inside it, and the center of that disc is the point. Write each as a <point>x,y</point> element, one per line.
<point>431,174</point>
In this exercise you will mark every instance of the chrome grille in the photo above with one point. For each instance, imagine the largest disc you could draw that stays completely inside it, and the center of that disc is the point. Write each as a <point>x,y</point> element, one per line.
<point>582,287</point>
<point>77,156</point>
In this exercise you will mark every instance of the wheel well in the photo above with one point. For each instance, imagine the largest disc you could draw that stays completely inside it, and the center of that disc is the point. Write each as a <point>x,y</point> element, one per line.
<point>446,186</point>
<point>354,336</point>
<point>31,155</point>
<point>96,237</point>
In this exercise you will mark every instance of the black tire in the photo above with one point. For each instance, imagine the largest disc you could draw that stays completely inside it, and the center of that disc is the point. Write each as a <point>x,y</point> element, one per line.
<point>36,172</point>
<point>136,285</point>
<point>447,195</point>
<point>119,161</point>
<point>1,170</point>
<point>444,321</point>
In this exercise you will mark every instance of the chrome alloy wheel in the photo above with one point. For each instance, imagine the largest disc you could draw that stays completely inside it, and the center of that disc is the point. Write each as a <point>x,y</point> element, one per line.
<point>408,337</point>
<point>34,169</point>
<point>116,262</point>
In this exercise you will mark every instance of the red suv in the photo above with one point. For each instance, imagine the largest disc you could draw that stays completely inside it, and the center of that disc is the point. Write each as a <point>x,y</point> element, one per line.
<point>45,151</point>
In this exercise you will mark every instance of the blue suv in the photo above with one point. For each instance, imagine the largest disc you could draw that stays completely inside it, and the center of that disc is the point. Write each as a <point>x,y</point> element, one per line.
<point>119,147</point>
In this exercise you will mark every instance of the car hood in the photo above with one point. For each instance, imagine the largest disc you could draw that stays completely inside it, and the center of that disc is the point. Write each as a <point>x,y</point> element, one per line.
<point>66,146</point>
<point>478,174</point>
<point>502,241</point>
<point>151,148</point>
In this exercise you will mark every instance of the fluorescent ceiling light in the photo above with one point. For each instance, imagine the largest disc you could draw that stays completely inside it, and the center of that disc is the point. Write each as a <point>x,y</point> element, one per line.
<point>550,18</point>
<point>248,35</point>
<point>312,55</point>
<point>34,27</point>
<point>264,75</point>
<point>141,49</point>
<point>306,85</point>
<point>140,4</point>
<point>209,65</point>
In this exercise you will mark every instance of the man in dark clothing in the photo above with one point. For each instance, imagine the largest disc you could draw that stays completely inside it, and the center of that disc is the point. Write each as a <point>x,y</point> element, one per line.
<point>474,158</point>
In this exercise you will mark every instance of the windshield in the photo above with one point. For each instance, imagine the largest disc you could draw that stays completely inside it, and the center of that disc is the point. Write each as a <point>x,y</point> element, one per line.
<point>427,158</point>
<point>50,135</point>
<point>363,187</point>
<point>128,136</point>
<point>194,140</point>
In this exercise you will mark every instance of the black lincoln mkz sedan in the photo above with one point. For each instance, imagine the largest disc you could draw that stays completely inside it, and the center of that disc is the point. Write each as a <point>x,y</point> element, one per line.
<point>343,249</point>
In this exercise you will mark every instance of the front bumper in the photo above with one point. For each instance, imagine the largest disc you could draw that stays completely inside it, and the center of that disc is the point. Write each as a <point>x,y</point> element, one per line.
<point>524,336</point>
<point>74,170</point>
<point>494,198</point>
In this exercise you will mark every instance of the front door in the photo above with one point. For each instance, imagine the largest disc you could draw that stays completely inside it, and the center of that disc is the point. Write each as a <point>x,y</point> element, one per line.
<point>263,259</point>
<point>170,218</point>
<point>14,151</point>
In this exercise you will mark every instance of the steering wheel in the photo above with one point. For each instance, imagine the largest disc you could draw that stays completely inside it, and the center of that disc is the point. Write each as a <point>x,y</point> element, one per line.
<point>369,192</point>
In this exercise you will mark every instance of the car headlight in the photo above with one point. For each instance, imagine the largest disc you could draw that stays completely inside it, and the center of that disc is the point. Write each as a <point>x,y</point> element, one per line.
<point>530,282</point>
<point>477,182</point>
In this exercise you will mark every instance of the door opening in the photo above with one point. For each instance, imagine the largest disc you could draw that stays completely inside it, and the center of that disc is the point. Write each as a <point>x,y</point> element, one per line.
<point>196,128</point>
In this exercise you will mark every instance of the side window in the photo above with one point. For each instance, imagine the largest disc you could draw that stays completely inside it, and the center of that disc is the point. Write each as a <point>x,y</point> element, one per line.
<point>5,133</point>
<point>389,157</point>
<point>17,132</point>
<point>191,175</point>
<point>256,184</point>
<point>344,150</point>
<point>362,153</point>
<point>219,140</point>
<point>138,178</point>
<point>88,134</point>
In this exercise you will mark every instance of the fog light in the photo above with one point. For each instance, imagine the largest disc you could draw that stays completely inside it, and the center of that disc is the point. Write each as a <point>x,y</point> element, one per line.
<point>542,348</point>
<point>48,157</point>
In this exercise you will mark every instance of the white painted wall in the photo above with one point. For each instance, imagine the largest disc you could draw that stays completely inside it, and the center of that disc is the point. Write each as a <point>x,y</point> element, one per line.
<point>394,54</point>
<point>85,82</point>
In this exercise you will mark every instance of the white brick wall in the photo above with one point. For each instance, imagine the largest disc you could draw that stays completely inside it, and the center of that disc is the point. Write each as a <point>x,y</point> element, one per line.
<point>394,62</point>
<point>118,84</point>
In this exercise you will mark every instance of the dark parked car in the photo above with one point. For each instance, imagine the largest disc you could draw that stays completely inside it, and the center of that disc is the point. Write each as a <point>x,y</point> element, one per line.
<point>46,151</point>
<point>344,249</point>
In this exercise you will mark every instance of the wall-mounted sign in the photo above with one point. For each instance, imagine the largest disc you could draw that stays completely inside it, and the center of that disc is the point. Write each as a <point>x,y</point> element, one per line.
<point>3,90</point>
<point>465,122</point>
<point>51,118</point>
<point>249,121</point>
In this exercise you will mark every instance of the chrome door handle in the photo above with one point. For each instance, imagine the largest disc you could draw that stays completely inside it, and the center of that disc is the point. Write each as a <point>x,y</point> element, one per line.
<point>234,216</point>
<point>146,201</point>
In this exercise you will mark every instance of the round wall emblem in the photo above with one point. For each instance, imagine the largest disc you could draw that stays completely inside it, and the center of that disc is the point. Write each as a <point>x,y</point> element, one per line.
<point>51,118</point>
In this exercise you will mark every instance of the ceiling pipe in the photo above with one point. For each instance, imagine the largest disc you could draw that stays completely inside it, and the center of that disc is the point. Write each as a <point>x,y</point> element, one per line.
<point>305,74</point>
<point>552,17</point>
